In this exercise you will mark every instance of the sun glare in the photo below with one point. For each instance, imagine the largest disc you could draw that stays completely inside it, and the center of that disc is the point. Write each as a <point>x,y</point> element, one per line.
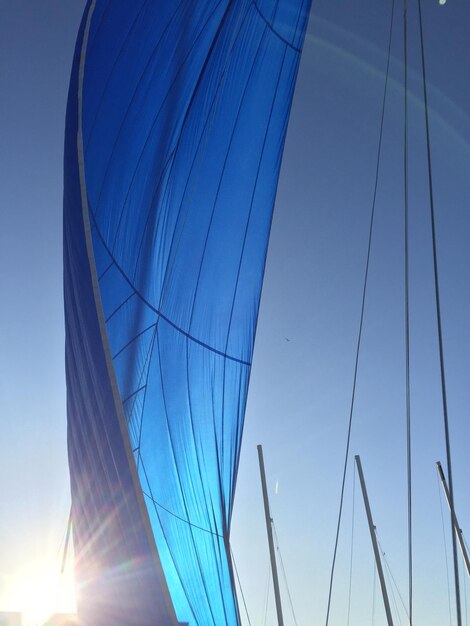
<point>38,591</point>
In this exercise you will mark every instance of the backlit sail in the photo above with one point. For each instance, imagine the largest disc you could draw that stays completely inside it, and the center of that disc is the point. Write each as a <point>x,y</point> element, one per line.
<point>176,122</point>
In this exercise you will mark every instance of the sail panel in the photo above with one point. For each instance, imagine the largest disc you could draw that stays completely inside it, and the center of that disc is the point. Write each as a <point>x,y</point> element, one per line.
<point>184,114</point>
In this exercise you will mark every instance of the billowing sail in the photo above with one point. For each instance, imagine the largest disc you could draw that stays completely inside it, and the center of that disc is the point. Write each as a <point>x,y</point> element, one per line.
<point>176,122</point>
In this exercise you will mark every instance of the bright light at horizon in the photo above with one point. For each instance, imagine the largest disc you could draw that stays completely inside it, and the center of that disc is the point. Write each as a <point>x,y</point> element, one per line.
<point>38,590</point>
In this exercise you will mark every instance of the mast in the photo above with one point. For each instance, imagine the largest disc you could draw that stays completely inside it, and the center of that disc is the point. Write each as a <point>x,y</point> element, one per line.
<point>374,542</point>
<point>455,523</point>
<point>269,530</point>
<point>438,317</point>
<point>67,540</point>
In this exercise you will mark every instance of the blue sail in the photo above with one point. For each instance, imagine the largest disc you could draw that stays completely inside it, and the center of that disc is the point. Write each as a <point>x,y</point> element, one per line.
<point>176,123</point>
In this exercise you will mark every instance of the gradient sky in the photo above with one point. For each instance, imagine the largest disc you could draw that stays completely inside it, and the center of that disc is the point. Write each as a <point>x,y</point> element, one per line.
<point>300,389</point>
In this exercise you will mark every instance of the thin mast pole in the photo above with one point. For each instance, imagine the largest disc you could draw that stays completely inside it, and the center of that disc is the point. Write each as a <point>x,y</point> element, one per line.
<point>455,522</point>
<point>269,529</point>
<point>67,540</point>
<point>407,317</point>
<point>374,542</point>
<point>438,315</point>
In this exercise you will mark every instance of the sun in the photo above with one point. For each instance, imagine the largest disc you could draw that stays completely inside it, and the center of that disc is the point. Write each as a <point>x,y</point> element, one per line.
<point>38,590</point>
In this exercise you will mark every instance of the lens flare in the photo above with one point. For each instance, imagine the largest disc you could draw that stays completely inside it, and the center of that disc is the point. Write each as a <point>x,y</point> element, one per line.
<point>38,591</point>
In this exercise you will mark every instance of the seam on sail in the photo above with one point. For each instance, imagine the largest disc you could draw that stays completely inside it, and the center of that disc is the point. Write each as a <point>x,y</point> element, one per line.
<point>131,341</point>
<point>173,155</point>
<point>178,479</point>
<point>219,186</point>
<point>145,371</point>
<point>182,519</point>
<point>104,272</point>
<point>170,551</point>
<point>162,315</point>
<point>272,29</point>
<point>103,182</point>
<point>119,307</point>
<point>133,394</point>
<point>188,106</point>
<point>250,212</point>
<point>113,67</point>
<point>201,265</point>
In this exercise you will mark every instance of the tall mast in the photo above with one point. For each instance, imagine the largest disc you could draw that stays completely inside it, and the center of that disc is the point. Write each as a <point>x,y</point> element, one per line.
<point>439,320</point>
<point>269,530</point>
<point>374,542</point>
<point>455,523</point>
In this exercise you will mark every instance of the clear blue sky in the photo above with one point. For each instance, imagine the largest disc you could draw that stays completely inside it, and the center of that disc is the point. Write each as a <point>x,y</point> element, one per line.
<point>300,390</point>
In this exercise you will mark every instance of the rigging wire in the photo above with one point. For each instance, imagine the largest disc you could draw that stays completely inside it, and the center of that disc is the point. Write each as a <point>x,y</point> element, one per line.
<point>464,541</point>
<point>240,586</point>
<point>439,320</point>
<point>361,322</point>
<point>392,583</point>
<point>394,600</point>
<point>407,316</point>
<point>392,577</point>
<point>465,596</point>
<point>373,594</point>
<point>352,544</point>
<point>284,573</point>
<point>445,546</point>
<point>268,586</point>
<point>463,573</point>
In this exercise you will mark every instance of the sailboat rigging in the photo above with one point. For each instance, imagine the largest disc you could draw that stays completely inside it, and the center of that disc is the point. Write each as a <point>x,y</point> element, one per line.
<point>449,492</point>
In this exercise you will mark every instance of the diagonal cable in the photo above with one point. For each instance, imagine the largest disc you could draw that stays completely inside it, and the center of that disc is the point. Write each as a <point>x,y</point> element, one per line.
<point>240,585</point>
<point>361,322</point>
<point>445,547</point>
<point>284,575</point>
<point>352,545</point>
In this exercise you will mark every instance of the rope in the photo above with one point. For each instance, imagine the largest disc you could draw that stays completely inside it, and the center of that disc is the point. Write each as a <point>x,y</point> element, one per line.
<point>445,547</point>
<point>240,585</point>
<point>352,545</point>
<point>407,316</point>
<point>439,320</point>
<point>284,573</point>
<point>361,322</point>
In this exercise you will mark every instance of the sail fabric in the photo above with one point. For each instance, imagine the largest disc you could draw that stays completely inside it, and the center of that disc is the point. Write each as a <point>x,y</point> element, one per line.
<point>179,110</point>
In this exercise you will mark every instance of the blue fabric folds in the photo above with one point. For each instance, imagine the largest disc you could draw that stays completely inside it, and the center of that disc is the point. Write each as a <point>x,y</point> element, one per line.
<point>183,108</point>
